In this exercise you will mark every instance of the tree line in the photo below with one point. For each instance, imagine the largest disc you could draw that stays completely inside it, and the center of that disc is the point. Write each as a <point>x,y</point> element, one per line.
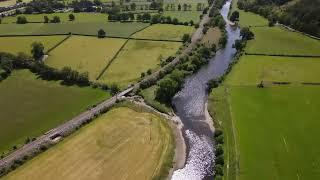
<point>55,19</point>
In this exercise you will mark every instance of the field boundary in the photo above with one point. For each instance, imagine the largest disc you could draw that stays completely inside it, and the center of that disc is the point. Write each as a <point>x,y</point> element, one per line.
<point>59,43</point>
<point>281,55</point>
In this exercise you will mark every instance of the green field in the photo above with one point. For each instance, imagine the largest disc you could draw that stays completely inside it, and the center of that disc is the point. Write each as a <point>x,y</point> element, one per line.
<point>278,41</point>
<point>23,44</point>
<point>149,97</point>
<point>164,32</point>
<point>121,144</point>
<point>136,57</point>
<point>251,70</point>
<point>248,18</point>
<point>211,37</point>
<point>29,106</point>
<point>184,16</point>
<point>87,28</point>
<point>64,17</point>
<point>85,54</point>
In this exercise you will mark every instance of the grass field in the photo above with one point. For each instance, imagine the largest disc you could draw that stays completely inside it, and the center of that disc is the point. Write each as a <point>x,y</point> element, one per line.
<point>136,57</point>
<point>64,17</point>
<point>276,40</point>
<point>251,70</point>
<point>184,16</point>
<point>85,54</point>
<point>248,18</point>
<point>149,97</point>
<point>121,144</point>
<point>212,37</point>
<point>30,106</point>
<point>164,32</point>
<point>23,44</point>
<point>88,28</point>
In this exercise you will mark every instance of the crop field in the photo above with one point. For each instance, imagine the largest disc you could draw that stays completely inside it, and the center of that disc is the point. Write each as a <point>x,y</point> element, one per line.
<point>278,41</point>
<point>275,126</point>
<point>29,106</point>
<point>87,28</point>
<point>251,70</point>
<point>85,54</point>
<point>248,19</point>
<point>23,44</point>
<point>121,144</point>
<point>212,37</point>
<point>64,17</point>
<point>136,57</point>
<point>164,32</point>
<point>184,16</point>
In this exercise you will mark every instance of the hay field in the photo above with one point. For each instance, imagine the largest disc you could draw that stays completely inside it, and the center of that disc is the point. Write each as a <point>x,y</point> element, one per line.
<point>136,57</point>
<point>85,54</point>
<point>30,106</point>
<point>121,144</point>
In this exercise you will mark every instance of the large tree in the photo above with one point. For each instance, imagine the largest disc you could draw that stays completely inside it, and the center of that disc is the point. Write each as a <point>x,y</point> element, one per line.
<point>37,50</point>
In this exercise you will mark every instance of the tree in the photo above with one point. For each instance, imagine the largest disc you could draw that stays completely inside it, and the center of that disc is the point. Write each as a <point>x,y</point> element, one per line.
<point>46,19</point>
<point>133,6</point>
<point>179,7</point>
<point>185,7</point>
<point>37,50</point>
<point>101,33</point>
<point>218,169</point>
<point>246,34</point>
<point>114,89</point>
<point>149,72</point>
<point>186,38</point>
<point>56,19</point>
<point>21,20</point>
<point>175,21</point>
<point>238,45</point>
<point>167,88</point>
<point>71,17</point>
<point>234,16</point>
<point>191,23</point>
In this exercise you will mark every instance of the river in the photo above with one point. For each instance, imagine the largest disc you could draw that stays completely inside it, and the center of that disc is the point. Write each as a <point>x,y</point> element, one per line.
<point>190,106</point>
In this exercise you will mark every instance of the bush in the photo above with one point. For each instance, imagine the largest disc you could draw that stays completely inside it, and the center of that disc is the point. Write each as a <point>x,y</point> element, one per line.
<point>218,169</point>
<point>219,149</point>
<point>218,132</point>
<point>219,139</point>
<point>21,20</point>
<point>220,160</point>
<point>101,33</point>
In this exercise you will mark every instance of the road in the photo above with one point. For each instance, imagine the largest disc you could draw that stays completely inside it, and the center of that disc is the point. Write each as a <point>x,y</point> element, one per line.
<point>63,129</point>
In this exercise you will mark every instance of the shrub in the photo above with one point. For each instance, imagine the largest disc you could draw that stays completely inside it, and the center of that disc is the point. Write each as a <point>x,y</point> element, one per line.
<point>21,20</point>
<point>219,149</point>
<point>220,160</point>
<point>218,132</point>
<point>218,169</point>
<point>220,139</point>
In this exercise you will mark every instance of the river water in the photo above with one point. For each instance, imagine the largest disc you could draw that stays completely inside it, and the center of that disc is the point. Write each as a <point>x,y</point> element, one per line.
<point>190,106</point>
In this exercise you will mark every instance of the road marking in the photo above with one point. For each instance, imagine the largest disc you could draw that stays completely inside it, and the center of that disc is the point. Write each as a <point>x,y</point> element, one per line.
<point>285,143</point>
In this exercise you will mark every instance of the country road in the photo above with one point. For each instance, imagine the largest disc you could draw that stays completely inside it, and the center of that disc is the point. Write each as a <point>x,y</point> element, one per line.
<point>60,130</point>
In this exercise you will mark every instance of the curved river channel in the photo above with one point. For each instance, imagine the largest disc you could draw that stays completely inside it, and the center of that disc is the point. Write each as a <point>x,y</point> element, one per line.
<point>190,106</point>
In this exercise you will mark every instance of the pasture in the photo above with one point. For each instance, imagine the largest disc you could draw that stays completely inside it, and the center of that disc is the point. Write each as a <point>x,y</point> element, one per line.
<point>184,16</point>
<point>136,57</point>
<point>30,106</point>
<point>85,54</point>
<point>251,70</point>
<point>274,127</point>
<point>164,32</point>
<point>23,44</point>
<point>120,144</point>
<point>87,28</point>
<point>212,37</point>
<point>279,41</point>
<point>64,17</point>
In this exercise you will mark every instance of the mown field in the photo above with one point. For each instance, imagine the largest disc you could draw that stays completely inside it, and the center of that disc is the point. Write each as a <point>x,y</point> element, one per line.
<point>29,106</point>
<point>248,19</point>
<point>64,17</point>
<point>136,57</point>
<point>184,16</point>
<point>121,144</point>
<point>279,41</point>
<point>164,32</point>
<point>88,28</point>
<point>23,44</point>
<point>251,70</point>
<point>85,54</point>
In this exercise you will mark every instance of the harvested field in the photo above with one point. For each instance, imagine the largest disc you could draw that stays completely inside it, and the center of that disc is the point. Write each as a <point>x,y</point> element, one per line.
<point>23,44</point>
<point>30,106</point>
<point>85,54</point>
<point>121,144</point>
<point>136,57</point>
<point>279,41</point>
<point>251,70</point>
<point>164,32</point>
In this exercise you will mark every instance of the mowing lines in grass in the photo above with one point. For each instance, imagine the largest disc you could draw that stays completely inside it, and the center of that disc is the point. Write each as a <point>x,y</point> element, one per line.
<point>136,57</point>
<point>117,145</point>
<point>30,107</point>
<point>85,54</point>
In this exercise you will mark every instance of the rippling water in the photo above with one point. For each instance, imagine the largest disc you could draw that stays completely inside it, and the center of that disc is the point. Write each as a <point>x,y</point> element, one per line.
<point>189,105</point>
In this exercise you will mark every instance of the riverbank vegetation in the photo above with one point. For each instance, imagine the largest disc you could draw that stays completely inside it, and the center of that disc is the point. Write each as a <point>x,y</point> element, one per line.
<point>124,142</point>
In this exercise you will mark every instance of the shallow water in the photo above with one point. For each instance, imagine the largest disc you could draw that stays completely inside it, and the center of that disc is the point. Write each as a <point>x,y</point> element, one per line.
<point>189,105</point>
